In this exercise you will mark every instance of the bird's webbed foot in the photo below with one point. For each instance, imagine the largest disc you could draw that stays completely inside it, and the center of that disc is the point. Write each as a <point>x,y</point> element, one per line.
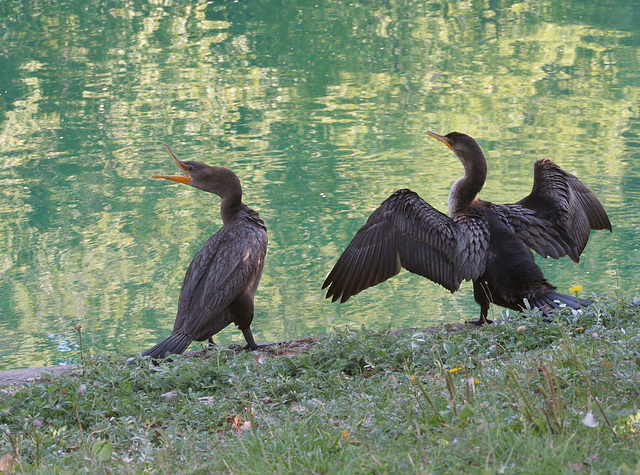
<point>258,346</point>
<point>251,343</point>
<point>480,321</point>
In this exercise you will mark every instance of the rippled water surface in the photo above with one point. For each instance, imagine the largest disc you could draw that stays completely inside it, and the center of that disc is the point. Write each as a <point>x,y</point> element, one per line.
<point>322,110</point>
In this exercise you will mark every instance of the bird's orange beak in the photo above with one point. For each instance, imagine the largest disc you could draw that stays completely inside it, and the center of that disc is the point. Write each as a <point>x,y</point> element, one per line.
<point>178,178</point>
<point>441,138</point>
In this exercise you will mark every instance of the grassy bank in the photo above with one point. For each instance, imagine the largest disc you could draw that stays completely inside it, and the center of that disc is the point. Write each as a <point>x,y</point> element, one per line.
<point>520,396</point>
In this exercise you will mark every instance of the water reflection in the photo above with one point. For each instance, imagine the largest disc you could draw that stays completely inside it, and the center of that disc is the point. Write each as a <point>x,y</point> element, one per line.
<point>322,113</point>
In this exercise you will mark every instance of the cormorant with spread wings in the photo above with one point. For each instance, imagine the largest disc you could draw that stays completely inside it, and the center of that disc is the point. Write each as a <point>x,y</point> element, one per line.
<point>480,241</point>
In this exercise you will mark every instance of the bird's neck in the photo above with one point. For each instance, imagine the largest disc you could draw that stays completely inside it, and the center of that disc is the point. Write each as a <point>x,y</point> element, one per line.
<point>465,190</point>
<point>230,190</point>
<point>230,207</point>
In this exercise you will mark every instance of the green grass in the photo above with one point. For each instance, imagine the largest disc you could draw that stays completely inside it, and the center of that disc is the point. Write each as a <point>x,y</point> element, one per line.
<point>511,397</point>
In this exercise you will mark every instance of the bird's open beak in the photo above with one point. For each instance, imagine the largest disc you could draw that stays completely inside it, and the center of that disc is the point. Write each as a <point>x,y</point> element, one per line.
<point>441,138</point>
<point>178,178</point>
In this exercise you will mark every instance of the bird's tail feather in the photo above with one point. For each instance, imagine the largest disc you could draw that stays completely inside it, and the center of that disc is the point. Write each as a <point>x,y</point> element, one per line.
<point>175,345</point>
<point>555,301</point>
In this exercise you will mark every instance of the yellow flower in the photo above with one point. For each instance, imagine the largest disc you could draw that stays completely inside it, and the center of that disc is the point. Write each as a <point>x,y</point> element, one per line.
<point>575,288</point>
<point>345,433</point>
<point>454,370</point>
<point>476,381</point>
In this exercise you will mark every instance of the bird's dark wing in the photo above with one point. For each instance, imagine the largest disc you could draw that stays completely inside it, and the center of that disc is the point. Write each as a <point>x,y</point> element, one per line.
<point>536,233</point>
<point>559,198</point>
<point>407,232</point>
<point>473,244</point>
<point>221,270</point>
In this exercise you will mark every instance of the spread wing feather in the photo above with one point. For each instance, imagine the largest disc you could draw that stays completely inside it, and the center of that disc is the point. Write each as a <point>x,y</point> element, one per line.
<point>536,233</point>
<point>473,244</point>
<point>567,208</point>
<point>405,231</point>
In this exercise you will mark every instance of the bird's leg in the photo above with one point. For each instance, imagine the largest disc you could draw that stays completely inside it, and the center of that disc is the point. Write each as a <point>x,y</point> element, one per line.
<point>483,317</point>
<point>251,343</point>
<point>211,343</point>
<point>481,294</point>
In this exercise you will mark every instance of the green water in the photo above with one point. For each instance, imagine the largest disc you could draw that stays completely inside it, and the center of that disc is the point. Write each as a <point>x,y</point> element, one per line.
<point>321,108</point>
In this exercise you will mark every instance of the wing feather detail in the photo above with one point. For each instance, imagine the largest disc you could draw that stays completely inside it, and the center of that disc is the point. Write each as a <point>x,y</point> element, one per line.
<point>220,271</point>
<point>535,232</point>
<point>473,244</point>
<point>563,206</point>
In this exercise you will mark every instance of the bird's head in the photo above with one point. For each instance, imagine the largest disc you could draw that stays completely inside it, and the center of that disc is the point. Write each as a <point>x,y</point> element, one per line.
<point>218,180</point>
<point>186,167</point>
<point>463,146</point>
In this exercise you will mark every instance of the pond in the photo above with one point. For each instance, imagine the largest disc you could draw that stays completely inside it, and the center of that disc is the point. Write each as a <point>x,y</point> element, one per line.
<point>321,109</point>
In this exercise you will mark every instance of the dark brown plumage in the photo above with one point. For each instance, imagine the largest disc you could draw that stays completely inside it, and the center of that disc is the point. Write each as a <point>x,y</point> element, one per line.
<point>481,241</point>
<point>222,279</point>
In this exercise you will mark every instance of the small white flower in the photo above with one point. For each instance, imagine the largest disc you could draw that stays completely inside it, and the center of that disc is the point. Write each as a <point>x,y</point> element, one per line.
<point>589,420</point>
<point>171,396</point>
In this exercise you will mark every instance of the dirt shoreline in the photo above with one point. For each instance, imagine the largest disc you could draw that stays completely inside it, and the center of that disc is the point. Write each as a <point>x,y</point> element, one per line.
<point>28,375</point>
